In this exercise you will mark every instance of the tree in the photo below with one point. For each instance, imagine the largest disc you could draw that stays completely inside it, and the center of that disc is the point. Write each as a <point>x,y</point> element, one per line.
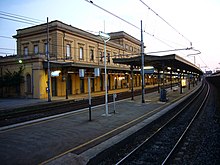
<point>12,79</point>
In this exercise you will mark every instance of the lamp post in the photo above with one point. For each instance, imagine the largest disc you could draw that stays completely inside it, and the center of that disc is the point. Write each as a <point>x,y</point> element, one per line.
<point>105,37</point>
<point>142,65</point>
<point>48,63</point>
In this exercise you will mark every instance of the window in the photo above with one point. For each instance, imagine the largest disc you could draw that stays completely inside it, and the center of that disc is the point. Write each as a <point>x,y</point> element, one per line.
<point>115,56</point>
<point>108,57</point>
<point>36,49</point>
<point>101,56</point>
<point>68,51</point>
<point>28,83</point>
<point>91,54</point>
<point>81,53</point>
<point>126,47</point>
<point>25,51</point>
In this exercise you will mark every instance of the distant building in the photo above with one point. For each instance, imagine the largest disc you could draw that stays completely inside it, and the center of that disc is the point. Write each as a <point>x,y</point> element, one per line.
<point>70,50</point>
<point>209,72</point>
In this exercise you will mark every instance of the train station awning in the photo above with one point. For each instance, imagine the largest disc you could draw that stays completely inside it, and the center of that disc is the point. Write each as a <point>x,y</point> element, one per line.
<point>173,61</point>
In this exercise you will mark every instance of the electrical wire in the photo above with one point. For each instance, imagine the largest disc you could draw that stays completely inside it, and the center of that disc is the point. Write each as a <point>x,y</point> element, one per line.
<point>149,8</point>
<point>152,35</point>
<point>21,16</point>
<point>6,37</point>
<point>163,51</point>
<point>28,20</point>
<point>18,20</point>
<point>204,62</point>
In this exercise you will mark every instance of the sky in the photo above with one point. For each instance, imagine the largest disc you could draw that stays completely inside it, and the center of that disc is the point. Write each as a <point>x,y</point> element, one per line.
<point>175,25</point>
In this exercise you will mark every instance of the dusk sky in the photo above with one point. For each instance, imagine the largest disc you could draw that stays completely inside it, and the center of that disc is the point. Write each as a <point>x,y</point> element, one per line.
<point>193,21</point>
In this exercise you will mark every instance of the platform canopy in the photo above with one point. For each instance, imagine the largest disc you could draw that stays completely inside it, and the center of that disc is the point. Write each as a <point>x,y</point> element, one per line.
<point>173,61</point>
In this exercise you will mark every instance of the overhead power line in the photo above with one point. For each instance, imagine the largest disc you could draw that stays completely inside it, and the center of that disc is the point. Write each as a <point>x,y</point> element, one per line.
<point>23,17</point>
<point>133,25</point>
<point>7,37</point>
<point>112,14</point>
<point>166,22</point>
<point>19,18</point>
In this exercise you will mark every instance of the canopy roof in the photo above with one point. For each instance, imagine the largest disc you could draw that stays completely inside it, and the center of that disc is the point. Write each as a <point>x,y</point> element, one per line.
<point>174,61</point>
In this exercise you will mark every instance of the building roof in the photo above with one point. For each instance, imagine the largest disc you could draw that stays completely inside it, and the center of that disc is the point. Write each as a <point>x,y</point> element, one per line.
<point>174,61</point>
<point>58,25</point>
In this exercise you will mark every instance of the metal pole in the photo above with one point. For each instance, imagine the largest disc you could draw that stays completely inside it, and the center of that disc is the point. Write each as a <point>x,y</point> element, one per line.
<point>114,96</point>
<point>90,104</point>
<point>106,90</point>
<point>181,90</point>
<point>67,84</point>
<point>105,38</point>
<point>171,79</point>
<point>158,81</point>
<point>48,63</point>
<point>142,66</point>
<point>163,76</point>
<point>189,81</point>
<point>132,82</point>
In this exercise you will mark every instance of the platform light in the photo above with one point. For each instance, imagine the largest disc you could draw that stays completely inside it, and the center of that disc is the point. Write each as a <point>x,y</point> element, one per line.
<point>20,61</point>
<point>105,37</point>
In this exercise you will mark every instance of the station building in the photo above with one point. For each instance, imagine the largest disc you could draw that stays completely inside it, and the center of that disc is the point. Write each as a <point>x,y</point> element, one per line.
<point>70,50</point>
<point>74,52</point>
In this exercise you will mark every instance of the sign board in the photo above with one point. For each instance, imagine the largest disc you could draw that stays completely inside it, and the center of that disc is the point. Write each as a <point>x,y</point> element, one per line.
<point>148,71</point>
<point>97,72</point>
<point>81,72</point>
<point>55,73</point>
<point>183,83</point>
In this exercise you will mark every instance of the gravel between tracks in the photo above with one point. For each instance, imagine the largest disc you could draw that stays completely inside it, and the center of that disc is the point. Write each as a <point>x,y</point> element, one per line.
<point>202,145</point>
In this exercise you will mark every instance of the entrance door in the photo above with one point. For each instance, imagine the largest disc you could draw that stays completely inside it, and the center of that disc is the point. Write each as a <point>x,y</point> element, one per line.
<point>116,83</point>
<point>81,85</point>
<point>101,83</point>
<point>69,84</point>
<point>54,86</point>
<point>109,83</point>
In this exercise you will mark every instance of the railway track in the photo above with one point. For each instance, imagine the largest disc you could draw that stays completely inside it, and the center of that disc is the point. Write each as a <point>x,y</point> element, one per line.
<point>160,147</point>
<point>23,114</point>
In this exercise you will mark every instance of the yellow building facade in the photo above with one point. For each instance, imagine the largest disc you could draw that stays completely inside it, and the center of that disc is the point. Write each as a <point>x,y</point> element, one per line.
<point>71,50</point>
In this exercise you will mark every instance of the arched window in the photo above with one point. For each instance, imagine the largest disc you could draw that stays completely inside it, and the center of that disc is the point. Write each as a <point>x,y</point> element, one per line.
<point>28,83</point>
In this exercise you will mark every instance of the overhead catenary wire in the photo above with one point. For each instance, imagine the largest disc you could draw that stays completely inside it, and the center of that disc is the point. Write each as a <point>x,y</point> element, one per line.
<point>133,25</point>
<point>28,20</point>
<point>11,19</point>
<point>166,22</point>
<point>7,37</point>
<point>19,18</point>
<point>23,17</point>
<point>204,62</point>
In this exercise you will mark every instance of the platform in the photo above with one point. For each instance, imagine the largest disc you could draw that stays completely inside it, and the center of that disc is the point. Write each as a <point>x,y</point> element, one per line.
<point>72,139</point>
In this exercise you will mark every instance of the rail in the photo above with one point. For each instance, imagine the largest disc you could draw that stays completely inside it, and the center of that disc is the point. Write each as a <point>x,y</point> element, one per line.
<point>151,139</point>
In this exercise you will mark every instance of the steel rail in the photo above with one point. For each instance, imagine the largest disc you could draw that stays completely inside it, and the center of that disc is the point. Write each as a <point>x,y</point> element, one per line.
<point>187,128</point>
<point>159,129</point>
<point>61,107</point>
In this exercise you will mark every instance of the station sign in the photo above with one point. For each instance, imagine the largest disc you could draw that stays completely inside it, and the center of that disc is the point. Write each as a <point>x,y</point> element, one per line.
<point>55,73</point>
<point>148,70</point>
<point>183,83</point>
<point>81,73</point>
<point>97,72</point>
